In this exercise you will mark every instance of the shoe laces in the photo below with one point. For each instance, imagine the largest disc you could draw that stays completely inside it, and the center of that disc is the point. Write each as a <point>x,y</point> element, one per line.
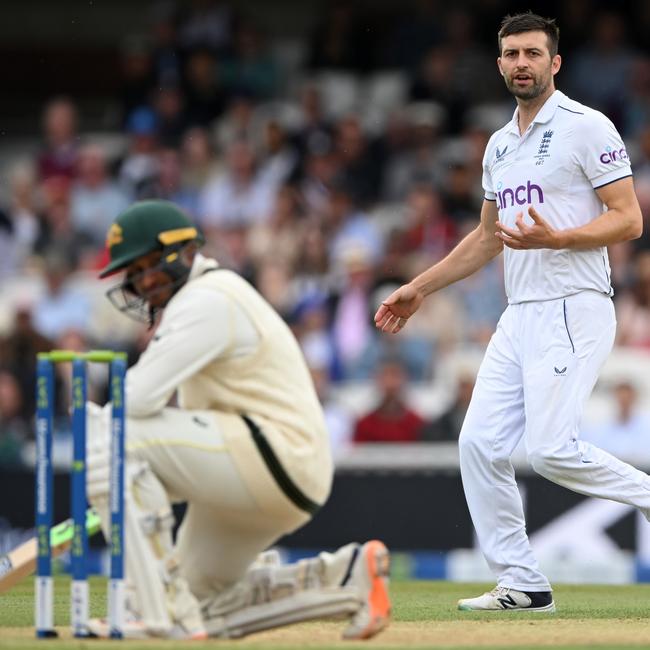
<point>500,591</point>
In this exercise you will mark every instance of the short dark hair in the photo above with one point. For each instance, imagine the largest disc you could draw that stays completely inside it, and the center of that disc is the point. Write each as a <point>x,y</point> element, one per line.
<point>530,22</point>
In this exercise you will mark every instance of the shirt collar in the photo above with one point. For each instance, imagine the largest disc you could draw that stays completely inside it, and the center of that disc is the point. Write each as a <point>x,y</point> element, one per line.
<point>545,113</point>
<point>200,265</point>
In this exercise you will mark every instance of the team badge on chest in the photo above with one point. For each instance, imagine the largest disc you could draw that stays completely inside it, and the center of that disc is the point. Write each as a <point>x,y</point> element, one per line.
<point>542,152</point>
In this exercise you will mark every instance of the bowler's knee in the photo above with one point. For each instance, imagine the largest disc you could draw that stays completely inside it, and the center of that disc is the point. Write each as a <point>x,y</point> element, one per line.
<point>470,444</point>
<point>475,446</point>
<point>548,463</point>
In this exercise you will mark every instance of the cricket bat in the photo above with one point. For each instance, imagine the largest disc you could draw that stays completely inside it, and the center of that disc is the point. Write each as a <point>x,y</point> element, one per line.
<point>21,562</point>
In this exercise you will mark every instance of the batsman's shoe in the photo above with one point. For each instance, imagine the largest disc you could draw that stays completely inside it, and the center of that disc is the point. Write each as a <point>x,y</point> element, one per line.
<point>504,598</point>
<point>136,629</point>
<point>133,627</point>
<point>370,576</point>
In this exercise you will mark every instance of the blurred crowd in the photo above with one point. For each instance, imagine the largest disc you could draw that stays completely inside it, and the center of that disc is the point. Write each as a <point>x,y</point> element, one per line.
<point>326,174</point>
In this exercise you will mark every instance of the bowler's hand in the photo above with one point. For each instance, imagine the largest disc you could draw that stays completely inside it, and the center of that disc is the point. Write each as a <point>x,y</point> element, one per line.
<point>394,312</point>
<point>538,235</point>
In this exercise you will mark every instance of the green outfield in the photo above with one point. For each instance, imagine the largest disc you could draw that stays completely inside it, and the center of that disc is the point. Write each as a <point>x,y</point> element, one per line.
<point>424,617</point>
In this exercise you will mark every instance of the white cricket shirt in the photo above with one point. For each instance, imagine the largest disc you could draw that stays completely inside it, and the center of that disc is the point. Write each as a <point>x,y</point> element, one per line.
<point>567,152</point>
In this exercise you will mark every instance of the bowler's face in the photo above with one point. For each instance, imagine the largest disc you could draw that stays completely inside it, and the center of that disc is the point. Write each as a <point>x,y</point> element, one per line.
<point>526,64</point>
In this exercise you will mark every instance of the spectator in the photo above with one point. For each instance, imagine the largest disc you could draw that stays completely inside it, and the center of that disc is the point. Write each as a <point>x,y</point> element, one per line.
<point>455,74</point>
<point>310,322</point>
<point>414,34</point>
<point>393,140</point>
<point>418,164</point>
<point>168,184</point>
<point>13,427</point>
<point>238,197</point>
<point>459,196</point>
<point>229,243</point>
<point>435,330</point>
<point>482,300</point>
<point>205,96</point>
<point>609,53</point>
<point>627,433</point>
<point>353,334</point>
<point>23,212</point>
<point>359,165</point>
<point>636,111</point>
<point>433,82</point>
<point>57,232</point>
<point>169,103</point>
<point>447,426</point>
<point>166,67</point>
<point>392,420</point>
<point>237,123</point>
<point>74,339</point>
<point>280,235</point>
<point>633,308</point>
<point>199,164</point>
<point>279,158</point>
<point>95,198</point>
<point>338,420</point>
<point>347,226</point>
<point>63,306</point>
<point>620,261</point>
<point>574,17</point>
<point>428,229</point>
<point>473,80</point>
<point>206,24</point>
<point>312,272</point>
<point>139,168</point>
<point>8,246</point>
<point>250,69</point>
<point>318,173</point>
<point>18,350</point>
<point>272,280</point>
<point>642,185</point>
<point>339,41</point>
<point>59,157</point>
<point>138,77</point>
<point>314,132</point>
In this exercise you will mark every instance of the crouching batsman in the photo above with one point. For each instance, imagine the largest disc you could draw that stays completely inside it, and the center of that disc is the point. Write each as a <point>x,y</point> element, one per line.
<point>246,449</point>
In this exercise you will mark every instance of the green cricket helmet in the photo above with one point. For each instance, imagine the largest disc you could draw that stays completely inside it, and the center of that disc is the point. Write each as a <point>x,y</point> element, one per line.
<point>144,228</point>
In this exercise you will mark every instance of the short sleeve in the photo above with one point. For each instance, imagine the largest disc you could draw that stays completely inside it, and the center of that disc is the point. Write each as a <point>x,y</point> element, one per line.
<point>600,151</point>
<point>488,187</point>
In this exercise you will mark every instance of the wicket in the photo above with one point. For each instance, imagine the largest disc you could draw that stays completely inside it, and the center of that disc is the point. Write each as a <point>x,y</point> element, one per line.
<point>45,401</point>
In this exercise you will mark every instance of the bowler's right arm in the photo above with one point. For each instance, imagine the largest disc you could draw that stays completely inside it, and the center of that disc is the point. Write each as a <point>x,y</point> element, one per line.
<point>471,254</point>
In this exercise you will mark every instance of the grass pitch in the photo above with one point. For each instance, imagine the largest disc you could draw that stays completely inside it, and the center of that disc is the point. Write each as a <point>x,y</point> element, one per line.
<point>424,616</point>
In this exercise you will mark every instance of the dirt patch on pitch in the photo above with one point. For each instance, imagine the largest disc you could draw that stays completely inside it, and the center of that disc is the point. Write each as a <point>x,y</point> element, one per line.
<point>449,634</point>
<point>548,632</point>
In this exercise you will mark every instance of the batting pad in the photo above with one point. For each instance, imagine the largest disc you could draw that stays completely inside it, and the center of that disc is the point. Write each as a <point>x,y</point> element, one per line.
<point>334,602</point>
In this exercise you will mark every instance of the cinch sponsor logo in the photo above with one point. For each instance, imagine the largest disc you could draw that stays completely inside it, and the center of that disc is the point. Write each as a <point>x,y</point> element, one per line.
<point>520,195</point>
<point>612,155</point>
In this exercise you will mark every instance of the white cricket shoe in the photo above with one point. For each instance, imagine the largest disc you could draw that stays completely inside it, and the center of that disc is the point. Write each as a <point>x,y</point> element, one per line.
<point>136,629</point>
<point>370,576</point>
<point>504,598</point>
<point>133,627</point>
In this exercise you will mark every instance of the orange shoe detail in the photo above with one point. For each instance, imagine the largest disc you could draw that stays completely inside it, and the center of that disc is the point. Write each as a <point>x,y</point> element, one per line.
<point>374,615</point>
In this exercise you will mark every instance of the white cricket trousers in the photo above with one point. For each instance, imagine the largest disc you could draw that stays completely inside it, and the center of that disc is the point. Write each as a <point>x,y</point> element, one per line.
<point>539,369</point>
